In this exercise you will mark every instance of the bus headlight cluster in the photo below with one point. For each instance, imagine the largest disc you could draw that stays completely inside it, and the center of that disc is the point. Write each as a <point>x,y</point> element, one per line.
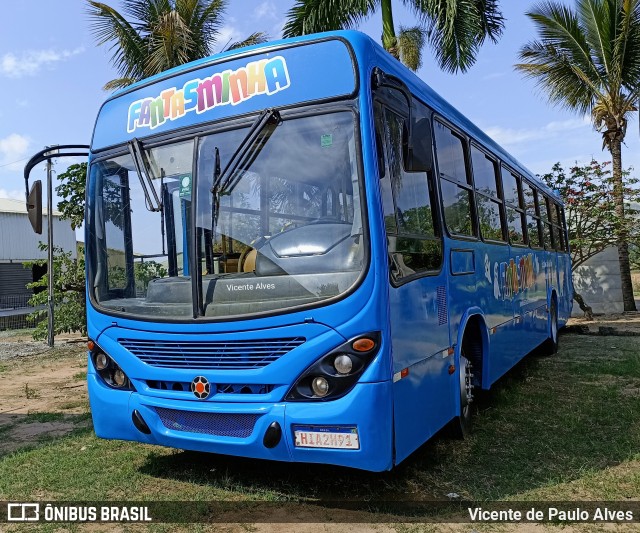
<point>108,369</point>
<point>336,373</point>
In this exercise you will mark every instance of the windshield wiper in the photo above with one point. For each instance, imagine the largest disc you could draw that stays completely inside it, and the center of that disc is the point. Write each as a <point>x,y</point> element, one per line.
<point>137,154</point>
<point>245,154</point>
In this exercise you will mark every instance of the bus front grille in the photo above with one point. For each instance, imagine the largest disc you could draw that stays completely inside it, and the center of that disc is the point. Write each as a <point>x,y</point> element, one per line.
<point>223,355</point>
<point>220,424</point>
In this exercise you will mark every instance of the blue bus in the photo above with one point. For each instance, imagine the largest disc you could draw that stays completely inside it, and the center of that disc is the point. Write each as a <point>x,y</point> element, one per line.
<point>298,251</point>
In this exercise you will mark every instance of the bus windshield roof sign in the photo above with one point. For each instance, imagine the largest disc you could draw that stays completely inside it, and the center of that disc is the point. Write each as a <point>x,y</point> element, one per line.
<point>225,88</point>
<point>229,87</point>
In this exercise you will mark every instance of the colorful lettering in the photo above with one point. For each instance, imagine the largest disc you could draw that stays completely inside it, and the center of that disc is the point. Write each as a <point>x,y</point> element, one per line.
<point>267,76</point>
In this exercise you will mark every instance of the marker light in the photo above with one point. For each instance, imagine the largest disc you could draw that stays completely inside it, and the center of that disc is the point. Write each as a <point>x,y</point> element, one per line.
<point>102,361</point>
<point>320,386</point>
<point>363,344</point>
<point>91,345</point>
<point>343,364</point>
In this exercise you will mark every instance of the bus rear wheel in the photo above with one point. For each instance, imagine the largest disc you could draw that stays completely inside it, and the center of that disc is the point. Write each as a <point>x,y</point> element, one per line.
<point>462,424</point>
<point>551,344</point>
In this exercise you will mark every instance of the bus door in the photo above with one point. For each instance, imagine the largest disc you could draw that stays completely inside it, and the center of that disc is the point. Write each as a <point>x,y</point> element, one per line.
<point>417,281</point>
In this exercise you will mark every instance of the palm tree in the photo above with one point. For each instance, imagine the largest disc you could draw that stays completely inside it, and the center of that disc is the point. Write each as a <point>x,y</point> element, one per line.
<point>454,29</point>
<point>588,60</point>
<point>151,36</point>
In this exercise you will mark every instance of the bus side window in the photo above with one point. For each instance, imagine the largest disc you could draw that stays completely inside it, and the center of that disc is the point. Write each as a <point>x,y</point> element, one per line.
<point>413,236</point>
<point>489,204</point>
<point>555,225</point>
<point>544,218</point>
<point>513,204</point>
<point>533,217</point>
<point>565,233</point>
<point>455,182</point>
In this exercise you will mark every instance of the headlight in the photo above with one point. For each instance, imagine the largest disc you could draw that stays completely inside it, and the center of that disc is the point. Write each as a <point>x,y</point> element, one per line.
<point>111,374</point>
<point>320,386</point>
<point>343,364</point>
<point>335,374</point>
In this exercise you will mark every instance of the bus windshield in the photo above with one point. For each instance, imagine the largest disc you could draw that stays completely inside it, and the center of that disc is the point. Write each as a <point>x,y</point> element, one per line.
<point>285,230</point>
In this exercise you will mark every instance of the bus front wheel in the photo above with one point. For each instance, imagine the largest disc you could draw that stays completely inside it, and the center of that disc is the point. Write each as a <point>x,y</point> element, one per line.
<point>461,426</point>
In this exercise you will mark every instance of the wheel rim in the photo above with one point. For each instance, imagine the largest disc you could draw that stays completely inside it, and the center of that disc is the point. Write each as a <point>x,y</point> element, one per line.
<point>466,386</point>
<point>554,323</point>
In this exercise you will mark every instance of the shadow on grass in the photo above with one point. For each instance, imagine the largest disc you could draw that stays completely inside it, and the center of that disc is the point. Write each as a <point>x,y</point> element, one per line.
<point>549,421</point>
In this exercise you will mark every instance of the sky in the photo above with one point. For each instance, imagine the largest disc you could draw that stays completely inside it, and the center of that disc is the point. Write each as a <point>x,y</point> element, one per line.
<point>52,74</point>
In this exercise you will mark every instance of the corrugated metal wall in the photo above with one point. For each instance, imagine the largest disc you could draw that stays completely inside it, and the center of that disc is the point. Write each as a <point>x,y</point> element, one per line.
<point>13,280</point>
<point>18,242</point>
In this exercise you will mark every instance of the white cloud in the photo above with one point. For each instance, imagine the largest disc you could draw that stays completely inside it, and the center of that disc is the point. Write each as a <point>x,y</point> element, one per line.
<point>226,35</point>
<point>12,194</point>
<point>277,29</point>
<point>13,149</point>
<point>266,9</point>
<point>493,76</point>
<point>29,63</point>
<point>511,136</point>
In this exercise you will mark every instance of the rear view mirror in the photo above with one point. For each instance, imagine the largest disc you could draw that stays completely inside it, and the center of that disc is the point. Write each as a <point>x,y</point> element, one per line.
<point>34,206</point>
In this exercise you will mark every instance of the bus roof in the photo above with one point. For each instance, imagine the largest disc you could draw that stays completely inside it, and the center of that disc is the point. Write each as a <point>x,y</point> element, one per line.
<point>318,78</point>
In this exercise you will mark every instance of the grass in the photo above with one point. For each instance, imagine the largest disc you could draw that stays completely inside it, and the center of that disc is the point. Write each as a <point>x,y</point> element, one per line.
<point>558,428</point>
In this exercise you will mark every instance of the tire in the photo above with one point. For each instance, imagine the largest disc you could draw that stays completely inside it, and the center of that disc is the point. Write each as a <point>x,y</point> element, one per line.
<point>461,426</point>
<point>550,346</point>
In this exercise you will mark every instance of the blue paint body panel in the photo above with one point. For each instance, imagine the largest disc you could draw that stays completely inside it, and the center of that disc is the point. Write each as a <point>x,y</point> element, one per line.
<point>407,393</point>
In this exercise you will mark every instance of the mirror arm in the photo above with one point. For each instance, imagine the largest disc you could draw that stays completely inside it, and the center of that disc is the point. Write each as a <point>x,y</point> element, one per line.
<point>45,154</point>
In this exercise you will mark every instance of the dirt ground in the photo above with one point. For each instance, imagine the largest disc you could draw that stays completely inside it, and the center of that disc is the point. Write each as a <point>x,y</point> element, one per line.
<point>612,324</point>
<point>43,390</point>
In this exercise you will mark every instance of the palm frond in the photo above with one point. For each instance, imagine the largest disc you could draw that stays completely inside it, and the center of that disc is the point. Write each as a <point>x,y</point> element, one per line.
<point>257,37</point>
<point>310,16</point>
<point>626,49</point>
<point>118,83</point>
<point>456,29</point>
<point>171,44</point>
<point>151,36</point>
<point>588,60</point>
<point>411,41</point>
<point>205,21</point>
<point>109,26</point>
<point>565,83</point>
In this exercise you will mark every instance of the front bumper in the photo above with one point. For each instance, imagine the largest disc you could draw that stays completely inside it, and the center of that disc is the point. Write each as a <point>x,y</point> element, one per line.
<point>368,407</point>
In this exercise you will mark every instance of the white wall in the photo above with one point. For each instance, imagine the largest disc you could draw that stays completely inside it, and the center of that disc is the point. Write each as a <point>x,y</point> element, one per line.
<point>18,242</point>
<point>598,281</point>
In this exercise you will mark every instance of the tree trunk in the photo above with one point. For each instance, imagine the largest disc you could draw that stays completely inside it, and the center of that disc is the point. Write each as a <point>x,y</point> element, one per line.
<point>586,309</point>
<point>389,39</point>
<point>628,300</point>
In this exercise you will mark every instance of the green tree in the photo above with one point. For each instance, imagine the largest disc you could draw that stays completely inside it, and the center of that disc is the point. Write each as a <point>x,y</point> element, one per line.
<point>72,189</point>
<point>69,294</point>
<point>587,59</point>
<point>454,29</point>
<point>151,36</point>
<point>590,210</point>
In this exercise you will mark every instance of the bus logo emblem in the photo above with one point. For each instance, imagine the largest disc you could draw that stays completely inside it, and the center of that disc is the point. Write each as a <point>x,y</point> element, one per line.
<point>200,387</point>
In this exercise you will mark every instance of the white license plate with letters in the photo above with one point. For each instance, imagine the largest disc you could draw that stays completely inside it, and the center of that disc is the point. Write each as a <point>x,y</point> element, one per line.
<point>343,438</point>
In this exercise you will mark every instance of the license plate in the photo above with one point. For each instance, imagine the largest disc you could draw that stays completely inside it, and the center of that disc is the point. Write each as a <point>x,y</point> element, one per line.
<point>344,438</point>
